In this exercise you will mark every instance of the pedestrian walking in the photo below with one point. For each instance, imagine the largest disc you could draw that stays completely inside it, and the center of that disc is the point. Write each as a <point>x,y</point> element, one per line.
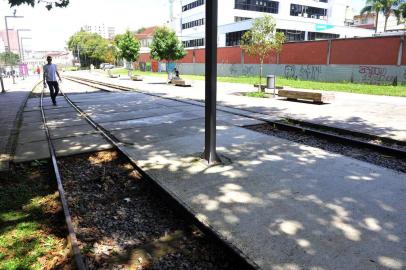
<point>50,73</point>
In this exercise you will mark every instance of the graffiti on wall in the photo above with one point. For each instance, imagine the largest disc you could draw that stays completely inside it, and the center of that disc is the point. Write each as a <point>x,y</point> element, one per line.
<point>376,75</point>
<point>304,72</point>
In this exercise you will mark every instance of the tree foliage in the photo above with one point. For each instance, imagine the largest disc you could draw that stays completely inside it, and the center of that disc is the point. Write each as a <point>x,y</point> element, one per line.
<point>89,47</point>
<point>387,7</point>
<point>9,58</point>
<point>261,40</point>
<point>400,13</point>
<point>129,46</point>
<point>166,46</point>
<point>49,4</point>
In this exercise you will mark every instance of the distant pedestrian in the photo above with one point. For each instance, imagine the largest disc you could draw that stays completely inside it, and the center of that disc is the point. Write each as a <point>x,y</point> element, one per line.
<point>38,70</point>
<point>50,73</point>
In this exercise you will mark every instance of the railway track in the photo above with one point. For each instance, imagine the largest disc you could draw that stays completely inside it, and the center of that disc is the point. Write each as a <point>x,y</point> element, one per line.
<point>147,220</point>
<point>383,146</point>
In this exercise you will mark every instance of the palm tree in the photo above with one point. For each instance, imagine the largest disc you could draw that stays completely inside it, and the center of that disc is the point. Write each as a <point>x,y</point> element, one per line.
<point>387,7</point>
<point>400,13</point>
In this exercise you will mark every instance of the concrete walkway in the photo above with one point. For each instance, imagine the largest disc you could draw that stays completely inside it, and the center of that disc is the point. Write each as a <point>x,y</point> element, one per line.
<point>377,115</point>
<point>284,205</point>
<point>10,104</point>
<point>71,133</point>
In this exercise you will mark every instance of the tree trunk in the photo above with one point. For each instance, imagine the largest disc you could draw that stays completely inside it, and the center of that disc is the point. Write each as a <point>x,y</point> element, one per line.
<point>376,22</point>
<point>386,22</point>
<point>260,74</point>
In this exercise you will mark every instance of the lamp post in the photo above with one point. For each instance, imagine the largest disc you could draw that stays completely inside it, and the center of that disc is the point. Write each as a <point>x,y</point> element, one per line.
<point>22,47</point>
<point>21,51</point>
<point>8,40</point>
<point>210,154</point>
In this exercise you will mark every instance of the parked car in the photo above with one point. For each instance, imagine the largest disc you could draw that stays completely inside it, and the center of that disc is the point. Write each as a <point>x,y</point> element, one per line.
<point>105,66</point>
<point>109,66</point>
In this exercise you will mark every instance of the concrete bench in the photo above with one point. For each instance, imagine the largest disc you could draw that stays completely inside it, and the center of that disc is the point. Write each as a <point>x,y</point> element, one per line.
<point>316,97</point>
<point>111,75</point>
<point>180,82</point>
<point>136,78</point>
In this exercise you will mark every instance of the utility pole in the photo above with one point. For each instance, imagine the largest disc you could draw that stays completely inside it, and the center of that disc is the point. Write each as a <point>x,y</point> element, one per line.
<point>8,41</point>
<point>210,154</point>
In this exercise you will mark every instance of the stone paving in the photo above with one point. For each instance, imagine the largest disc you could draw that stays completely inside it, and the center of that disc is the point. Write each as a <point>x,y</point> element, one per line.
<point>284,205</point>
<point>377,115</point>
<point>10,104</point>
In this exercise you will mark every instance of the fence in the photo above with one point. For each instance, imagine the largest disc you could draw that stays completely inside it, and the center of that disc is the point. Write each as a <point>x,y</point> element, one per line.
<point>375,60</point>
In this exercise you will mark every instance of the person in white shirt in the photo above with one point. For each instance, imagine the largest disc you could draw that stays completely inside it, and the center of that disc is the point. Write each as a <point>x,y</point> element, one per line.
<point>50,73</point>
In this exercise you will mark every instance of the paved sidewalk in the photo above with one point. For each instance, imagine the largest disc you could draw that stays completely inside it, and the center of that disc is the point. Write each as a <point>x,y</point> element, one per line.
<point>377,115</point>
<point>10,104</point>
<point>284,205</point>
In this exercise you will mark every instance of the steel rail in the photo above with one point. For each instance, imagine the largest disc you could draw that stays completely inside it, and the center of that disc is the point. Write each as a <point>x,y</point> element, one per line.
<point>72,235</point>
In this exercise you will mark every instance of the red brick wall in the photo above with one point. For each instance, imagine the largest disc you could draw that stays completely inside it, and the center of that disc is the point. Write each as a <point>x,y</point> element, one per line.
<point>365,51</point>
<point>307,53</point>
<point>230,55</point>
<point>362,51</point>
<point>248,59</point>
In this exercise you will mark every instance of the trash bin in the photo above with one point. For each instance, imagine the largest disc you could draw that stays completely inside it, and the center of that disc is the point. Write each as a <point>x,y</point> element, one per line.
<point>270,81</point>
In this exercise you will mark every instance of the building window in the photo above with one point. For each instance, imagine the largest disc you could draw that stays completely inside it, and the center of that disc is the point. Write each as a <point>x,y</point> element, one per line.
<point>308,12</point>
<point>234,38</point>
<point>319,36</point>
<point>192,5</point>
<point>193,43</point>
<point>193,24</point>
<point>240,19</point>
<point>292,35</point>
<point>258,5</point>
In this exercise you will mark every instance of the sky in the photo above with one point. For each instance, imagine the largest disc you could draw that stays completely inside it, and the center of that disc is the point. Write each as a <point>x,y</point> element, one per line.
<point>51,29</point>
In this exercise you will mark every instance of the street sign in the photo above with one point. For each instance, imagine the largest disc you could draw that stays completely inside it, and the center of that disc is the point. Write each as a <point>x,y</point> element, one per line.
<point>323,27</point>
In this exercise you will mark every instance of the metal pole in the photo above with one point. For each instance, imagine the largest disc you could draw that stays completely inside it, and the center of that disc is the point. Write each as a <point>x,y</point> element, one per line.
<point>210,154</point>
<point>2,84</point>
<point>19,45</point>
<point>8,39</point>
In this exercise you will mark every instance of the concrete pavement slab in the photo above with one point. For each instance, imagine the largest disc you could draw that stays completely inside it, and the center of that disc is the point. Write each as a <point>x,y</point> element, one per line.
<point>81,144</point>
<point>135,114</point>
<point>66,122</point>
<point>286,205</point>
<point>31,151</point>
<point>147,121</point>
<point>32,136</point>
<point>71,131</point>
<point>156,133</point>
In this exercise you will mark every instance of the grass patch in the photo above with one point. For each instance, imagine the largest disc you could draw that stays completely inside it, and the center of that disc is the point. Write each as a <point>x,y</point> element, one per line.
<point>358,88</point>
<point>256,94</point>
<point>32,231</point>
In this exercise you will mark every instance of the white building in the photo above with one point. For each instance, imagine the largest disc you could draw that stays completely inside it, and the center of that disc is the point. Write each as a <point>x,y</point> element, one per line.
<point>368,21</point>
<point>106,32</point>
<point>298,19</point>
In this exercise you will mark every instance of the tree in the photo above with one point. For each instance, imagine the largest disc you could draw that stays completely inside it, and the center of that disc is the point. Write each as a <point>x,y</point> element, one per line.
<point>90,48</point>
<point>49,5</point>
<point>129,47</point>
<point>387,7</point>
<point>166,46</point>
<point>9,58</point>
<point>261,40</point>
<point>400,13</point>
